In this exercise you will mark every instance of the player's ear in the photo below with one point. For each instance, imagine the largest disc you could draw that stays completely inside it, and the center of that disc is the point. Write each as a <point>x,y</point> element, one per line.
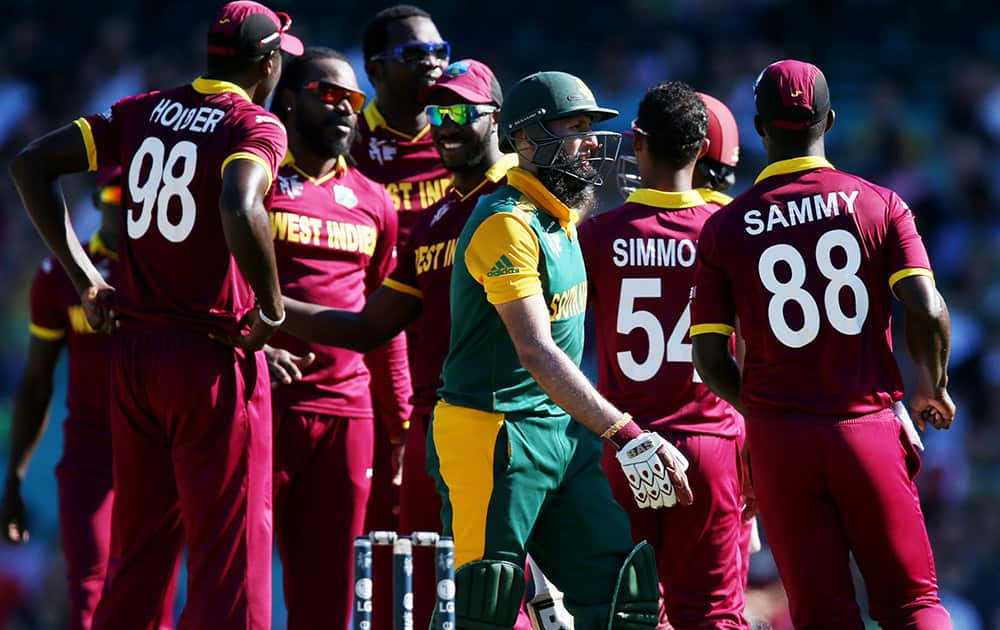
<point>703,151</point>
<point>284,104</point>
<point>638,142</point>
<point>830,119</point>
<point>269,64</point>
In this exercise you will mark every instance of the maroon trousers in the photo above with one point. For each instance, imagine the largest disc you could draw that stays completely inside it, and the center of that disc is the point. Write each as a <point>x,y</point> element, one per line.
<point>830,488</point>
<point>84,480</point>
<point>700,548</point>
<point>191,435</point>
<point>322,477</point>
<point>420,511</point>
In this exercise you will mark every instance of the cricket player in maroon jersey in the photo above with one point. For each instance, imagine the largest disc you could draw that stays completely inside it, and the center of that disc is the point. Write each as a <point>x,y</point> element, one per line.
<point>808,260</point>
<point>640,266</point>
<point>334,236</point>
<point>404,54</point>
<point>84,473</point>
<point>190,416</point>
<point>461,105</point>
<point>715,172</point>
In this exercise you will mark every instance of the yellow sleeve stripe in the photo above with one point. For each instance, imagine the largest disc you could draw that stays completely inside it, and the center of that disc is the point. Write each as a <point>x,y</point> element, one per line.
<point>47,334</point>
<point>906,273</point>
<point>88,141</point>
<point>403,288</point>
<point>720,329</point>
<point>243,155</point>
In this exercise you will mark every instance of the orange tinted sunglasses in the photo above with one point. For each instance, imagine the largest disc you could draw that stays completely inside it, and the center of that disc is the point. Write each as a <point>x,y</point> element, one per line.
<point>333,94</point>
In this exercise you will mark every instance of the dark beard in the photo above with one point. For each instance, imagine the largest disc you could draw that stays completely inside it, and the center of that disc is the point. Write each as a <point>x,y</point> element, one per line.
<point>322,146</point>
<point>575,192</point>
<point>474,162</point>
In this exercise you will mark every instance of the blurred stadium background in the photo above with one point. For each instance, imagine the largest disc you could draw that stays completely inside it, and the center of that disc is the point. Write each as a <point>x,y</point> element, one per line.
<point>916,87</point>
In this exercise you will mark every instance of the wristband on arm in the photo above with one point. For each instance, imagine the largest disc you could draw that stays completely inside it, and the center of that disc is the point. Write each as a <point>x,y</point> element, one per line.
<point>273,323</point>
<point>622,432</point>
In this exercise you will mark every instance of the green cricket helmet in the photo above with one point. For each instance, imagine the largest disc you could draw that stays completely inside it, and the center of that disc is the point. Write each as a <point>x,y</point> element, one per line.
<point>542,97</point>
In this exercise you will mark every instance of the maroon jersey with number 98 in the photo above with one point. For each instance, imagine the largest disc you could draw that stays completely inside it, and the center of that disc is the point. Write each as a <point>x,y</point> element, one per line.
<point>173,146</point>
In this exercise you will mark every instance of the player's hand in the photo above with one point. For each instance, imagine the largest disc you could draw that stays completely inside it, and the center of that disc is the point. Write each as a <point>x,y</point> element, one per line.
<point>15,529</point>
<point>254,340</point>
<point>96,303</point>
<point>933,405</point>
<point>398,451</point>
<point>284,366</point>
<point>655,469</point>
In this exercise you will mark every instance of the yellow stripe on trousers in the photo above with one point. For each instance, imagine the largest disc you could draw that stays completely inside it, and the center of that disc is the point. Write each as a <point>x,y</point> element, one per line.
<point>465,440</point>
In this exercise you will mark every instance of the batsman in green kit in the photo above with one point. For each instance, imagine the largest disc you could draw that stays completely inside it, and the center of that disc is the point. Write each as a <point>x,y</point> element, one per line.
<point>513,445</point>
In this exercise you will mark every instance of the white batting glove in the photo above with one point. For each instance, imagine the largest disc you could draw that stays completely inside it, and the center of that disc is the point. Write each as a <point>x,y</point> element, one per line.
<point>655,469</point>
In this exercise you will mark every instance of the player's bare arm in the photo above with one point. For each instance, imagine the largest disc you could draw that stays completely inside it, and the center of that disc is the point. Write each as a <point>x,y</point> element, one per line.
<point>30,416</point>
<point>248,235</point>
<point>927,327</point>
<point>35,172</point>
<point>527,322</point>
<point>386,313</point>
<point>717,367</point>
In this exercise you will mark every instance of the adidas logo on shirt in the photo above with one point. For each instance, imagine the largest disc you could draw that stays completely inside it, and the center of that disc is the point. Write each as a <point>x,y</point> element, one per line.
<point>503,267</point>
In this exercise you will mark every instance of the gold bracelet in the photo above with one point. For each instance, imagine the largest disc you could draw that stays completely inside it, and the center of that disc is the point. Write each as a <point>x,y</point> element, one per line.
<point>616,427</point>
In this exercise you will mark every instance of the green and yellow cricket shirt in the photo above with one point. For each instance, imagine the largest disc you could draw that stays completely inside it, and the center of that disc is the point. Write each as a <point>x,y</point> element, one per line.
<point>519,241</point>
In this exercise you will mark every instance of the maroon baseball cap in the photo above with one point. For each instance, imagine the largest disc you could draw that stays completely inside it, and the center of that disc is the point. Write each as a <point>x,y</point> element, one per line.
<point>249,29</point>
<point>792,94</point>
<point>472,80</point>
<point>723,135</point>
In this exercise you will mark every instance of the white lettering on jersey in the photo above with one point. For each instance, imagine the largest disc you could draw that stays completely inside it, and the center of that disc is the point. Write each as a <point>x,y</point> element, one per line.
<point>177,117</point>
<point>798,212</point>
<point>653,252</point>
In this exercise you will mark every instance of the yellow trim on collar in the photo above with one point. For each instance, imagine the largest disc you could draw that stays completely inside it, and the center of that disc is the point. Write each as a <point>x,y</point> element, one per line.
<point>665,199</point>
<point>529,185</point>
<point>339,169</point>
<point>493,174</point>
<point>215,86</point>
<point>794,165</point>
<point>98,248</point>
<point>714,196</point>
<point>375,119</point>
